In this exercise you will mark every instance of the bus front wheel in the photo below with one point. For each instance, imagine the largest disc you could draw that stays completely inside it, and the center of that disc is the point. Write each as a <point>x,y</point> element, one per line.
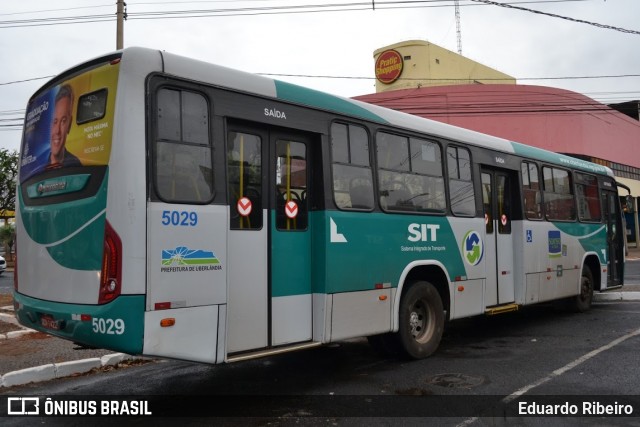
<point>421,320</point>
<point>582,302</point>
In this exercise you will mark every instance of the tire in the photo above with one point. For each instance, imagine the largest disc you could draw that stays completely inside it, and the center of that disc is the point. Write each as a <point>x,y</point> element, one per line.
<point>582,302</point>
<point>421,320</point>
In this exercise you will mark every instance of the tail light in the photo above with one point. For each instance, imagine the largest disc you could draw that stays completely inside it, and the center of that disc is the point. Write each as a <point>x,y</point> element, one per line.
<point>111,276</point>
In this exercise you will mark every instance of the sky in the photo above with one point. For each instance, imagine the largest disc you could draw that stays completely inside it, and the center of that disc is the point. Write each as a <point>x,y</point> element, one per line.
<point>325,48</point>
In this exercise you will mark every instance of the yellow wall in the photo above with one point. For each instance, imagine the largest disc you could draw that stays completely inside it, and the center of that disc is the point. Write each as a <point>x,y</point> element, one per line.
<point>632,184</point>
<point>427,64</point>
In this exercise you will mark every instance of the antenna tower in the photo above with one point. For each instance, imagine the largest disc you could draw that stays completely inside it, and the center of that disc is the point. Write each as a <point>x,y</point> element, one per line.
<point>456,3</point>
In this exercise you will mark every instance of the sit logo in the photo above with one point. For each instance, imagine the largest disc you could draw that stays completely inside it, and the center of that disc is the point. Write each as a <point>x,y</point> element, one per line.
<point>423,232</point>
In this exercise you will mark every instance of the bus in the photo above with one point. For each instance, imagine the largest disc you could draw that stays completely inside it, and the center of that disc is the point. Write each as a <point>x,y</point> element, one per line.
<point>173,208</point>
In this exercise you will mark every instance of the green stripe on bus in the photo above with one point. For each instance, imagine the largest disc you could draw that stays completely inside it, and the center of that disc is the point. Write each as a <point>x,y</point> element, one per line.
<point>304,96</point>
<point>592,237</point>
<point>558,159</point>
<point>73,231</point>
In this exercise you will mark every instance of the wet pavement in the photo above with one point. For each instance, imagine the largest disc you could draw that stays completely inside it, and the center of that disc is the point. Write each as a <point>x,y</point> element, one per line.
<point>21,348</point>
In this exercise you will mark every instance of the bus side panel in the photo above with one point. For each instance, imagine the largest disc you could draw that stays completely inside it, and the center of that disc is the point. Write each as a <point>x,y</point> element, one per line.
<point>187,279</point>
<point>356,314</point>
<point>553,254</point>
<point>384,243</point>
<point>186,255</point>
<point>194,336</point>
<point>126,200</point>
<point>349,240</point>
<point>468,290</point>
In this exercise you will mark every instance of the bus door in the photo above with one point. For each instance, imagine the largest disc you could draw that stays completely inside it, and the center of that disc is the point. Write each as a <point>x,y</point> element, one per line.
<point>614,251</point>
<point>497,189</point>
<point>269,241</point>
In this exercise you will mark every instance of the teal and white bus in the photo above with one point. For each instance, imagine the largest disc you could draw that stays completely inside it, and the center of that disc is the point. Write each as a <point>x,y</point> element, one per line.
<point>173,208</point>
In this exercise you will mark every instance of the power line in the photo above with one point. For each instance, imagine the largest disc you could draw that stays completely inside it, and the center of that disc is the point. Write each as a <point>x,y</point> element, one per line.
<point>319,76</point>
<point>271,10</point>
<point>553,15</point>
<point>450,79</point>
<point>55,10</point>
<point>25,80</point>
<point>462,102</point>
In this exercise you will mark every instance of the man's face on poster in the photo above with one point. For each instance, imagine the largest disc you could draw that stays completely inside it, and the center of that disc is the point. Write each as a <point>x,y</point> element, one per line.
<point>60,126</point>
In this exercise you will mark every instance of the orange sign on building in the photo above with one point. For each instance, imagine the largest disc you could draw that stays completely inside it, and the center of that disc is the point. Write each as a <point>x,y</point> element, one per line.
<point>389,66</point>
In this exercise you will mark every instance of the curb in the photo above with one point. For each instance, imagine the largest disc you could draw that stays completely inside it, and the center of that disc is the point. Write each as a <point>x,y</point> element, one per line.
<point>61,370</point>
<point>10,318</point>
<point>617,296</point>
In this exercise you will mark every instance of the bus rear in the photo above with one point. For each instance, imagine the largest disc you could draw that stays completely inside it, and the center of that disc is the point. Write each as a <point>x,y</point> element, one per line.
<point>68,279</point>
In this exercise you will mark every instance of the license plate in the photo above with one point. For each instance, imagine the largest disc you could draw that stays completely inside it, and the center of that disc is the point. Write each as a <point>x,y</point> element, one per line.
<point>49,323</point>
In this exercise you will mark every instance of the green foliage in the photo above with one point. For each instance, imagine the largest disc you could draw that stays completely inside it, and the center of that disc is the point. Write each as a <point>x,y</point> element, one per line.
<point>8,178</point>
<point>7,235</point>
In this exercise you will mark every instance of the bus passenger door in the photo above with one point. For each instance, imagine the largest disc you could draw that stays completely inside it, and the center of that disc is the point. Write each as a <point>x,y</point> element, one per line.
<point>248,239</point>
<point>614,252</point>
<point>497,197</point>
<point>291,296</point>
<point>269,241</point>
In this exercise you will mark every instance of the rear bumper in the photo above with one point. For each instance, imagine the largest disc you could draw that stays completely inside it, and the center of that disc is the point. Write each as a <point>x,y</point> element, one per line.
<point>118,325</point>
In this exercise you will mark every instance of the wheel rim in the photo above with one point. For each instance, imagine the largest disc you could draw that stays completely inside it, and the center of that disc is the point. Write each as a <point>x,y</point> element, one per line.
<point>421,322</point>
<point>585,289</point>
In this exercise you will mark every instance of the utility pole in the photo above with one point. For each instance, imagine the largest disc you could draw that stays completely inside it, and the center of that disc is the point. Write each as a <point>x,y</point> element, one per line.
<point>121,15</point>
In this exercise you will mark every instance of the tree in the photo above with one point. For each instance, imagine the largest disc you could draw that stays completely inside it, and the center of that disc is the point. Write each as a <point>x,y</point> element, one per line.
<point>8,178</point>
<point>7,237</point>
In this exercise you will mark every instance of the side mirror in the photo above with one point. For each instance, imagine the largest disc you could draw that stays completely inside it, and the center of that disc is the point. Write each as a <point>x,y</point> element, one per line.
<point>629,203</point>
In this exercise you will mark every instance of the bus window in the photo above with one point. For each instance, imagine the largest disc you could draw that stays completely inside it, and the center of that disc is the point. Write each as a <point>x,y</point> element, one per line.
<point>92,106</point>
<point>291,184</point>
<point>587,198</point>
<point>410,174</point>
<point>244,159</point>
<point>531,191</point>
<point>504,203</point>
<point>487,203</point>
<point>558,197</point>
<point>463,200</point>
<point>183,166</point>
<point>352,177</point>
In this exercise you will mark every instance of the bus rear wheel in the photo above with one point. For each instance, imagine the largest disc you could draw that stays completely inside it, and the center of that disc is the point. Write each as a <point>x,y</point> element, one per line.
<point>421,320</point>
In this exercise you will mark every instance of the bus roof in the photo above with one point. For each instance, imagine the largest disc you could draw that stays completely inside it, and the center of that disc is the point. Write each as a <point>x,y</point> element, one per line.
<point>265,86</point>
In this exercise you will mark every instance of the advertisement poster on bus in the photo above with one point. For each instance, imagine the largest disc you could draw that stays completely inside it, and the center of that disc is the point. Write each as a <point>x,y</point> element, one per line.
<point>70,124</point>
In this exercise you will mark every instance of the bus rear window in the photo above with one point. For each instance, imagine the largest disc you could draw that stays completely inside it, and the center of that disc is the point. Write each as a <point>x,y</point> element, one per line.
<point>92,106</point>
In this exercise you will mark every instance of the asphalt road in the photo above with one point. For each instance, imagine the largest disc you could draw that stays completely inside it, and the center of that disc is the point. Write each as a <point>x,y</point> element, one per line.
<point>482,367</point>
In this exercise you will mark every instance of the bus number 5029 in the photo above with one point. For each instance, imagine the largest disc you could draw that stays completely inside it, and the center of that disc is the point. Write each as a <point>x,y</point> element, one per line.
<point>179,218</point>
